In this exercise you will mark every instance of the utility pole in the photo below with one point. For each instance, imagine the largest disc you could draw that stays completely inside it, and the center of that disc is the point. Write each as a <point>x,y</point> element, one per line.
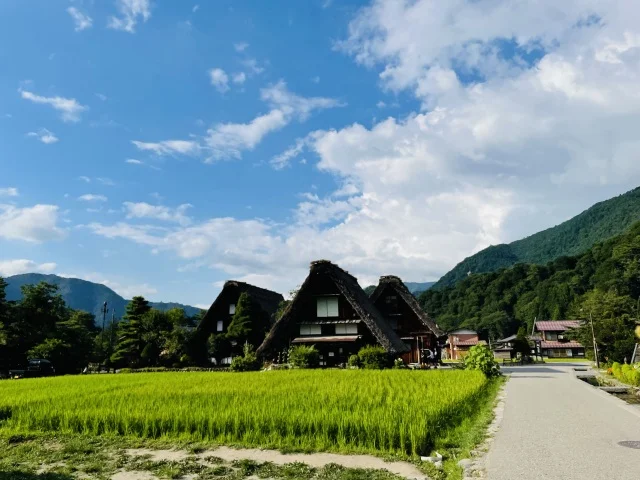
<point>595,344</point>
<point>104,317</point>
<point>113,319</point>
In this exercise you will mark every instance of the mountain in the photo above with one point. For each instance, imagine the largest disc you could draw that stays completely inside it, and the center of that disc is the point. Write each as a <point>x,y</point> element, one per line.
<point>602,283</point>
<point>416,288</point>
<point>602,221</point>
<point>84,295</point>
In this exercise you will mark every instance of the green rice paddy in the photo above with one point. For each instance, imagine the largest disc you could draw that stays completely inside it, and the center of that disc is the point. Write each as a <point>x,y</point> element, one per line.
<point>388,412</point>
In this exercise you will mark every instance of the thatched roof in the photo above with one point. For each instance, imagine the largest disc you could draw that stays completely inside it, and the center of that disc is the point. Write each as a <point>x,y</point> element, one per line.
<point>348,286</point>
<point>395,283</point>
<point>268,300</point>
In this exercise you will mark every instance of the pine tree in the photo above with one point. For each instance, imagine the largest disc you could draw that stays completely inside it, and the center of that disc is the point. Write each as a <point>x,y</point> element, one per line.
<point>248,325</point>
<point>130,344</point>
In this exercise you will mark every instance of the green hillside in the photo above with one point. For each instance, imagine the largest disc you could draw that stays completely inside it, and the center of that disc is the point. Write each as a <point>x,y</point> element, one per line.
<point>603,281</point>
<point>84,295</point>
<point>600,222</point>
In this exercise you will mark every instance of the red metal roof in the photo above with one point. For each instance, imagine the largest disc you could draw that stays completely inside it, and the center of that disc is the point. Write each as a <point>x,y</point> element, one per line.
<point>561,345</point>
<point>336,338</point>
<point>557,325</point>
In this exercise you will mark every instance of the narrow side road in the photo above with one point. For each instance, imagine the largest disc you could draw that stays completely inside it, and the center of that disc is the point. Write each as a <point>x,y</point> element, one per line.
<point>558,427</point>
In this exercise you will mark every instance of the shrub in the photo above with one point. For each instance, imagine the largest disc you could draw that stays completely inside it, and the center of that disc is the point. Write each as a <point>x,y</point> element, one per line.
<point>303,356</point>
<point>354,361</point>
<point>627,373</point>
<point>398,363</point>
<point>481,358</point>
<point>373,357</point>
<point>247,362</point>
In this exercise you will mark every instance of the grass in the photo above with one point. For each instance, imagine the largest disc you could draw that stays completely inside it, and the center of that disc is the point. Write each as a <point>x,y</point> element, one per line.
<point>566,360</point>
<point>393,413</point>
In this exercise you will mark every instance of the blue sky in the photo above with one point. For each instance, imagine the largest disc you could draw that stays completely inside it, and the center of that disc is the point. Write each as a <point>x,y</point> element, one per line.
<point>162,147</point>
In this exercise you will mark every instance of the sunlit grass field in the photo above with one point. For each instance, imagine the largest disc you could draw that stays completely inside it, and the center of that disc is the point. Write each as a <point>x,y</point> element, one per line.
<point>393,411</point>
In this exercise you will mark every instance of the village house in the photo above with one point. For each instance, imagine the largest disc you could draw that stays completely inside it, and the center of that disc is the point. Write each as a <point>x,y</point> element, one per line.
<point>221,311</point>
<point>503,348</point>
<point>333,313</point>
<point>407,319</point>
<point>459,342</point>
<point>553,340</point>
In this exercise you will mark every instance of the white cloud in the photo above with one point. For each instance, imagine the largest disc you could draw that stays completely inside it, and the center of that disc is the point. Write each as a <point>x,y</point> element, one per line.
<point>546,127</point>
<point>81,20</point>
<point>131,12</point>
<point>279,96</point>
<point>284,159</point>
<point>252,65</point>
<point>8,192</point>
<point>102,97</point>
<point>19,266</point>
<point>44,135</point>
<point>91,197</point>
<point>69,108</point>
<point>133,161</point>
<point>84,179</point>
<point>239,78</point>
<point>169,147</point>
<point>106,181</point>
<point>219,79</point>
<point>158,212</point>
<point>240,46</point>
<point>316,79</point>
<point>228,140</point>
<point>195,8</point>
<point>32,224</point>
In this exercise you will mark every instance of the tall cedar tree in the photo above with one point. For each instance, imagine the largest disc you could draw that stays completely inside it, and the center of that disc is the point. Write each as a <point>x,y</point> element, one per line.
<point>130,343</point>
<point>249,324</point>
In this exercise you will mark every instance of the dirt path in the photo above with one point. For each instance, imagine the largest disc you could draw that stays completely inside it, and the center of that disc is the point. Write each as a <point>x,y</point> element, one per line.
<point>316,460</point>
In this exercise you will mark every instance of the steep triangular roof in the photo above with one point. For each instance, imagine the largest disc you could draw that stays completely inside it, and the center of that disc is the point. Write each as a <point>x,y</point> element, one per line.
<point>401,289</point>
<point>268,300</point>
<point>348,286</point>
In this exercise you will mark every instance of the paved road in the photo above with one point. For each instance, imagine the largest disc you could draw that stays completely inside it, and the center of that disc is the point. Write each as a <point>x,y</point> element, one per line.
<point>558,427</point>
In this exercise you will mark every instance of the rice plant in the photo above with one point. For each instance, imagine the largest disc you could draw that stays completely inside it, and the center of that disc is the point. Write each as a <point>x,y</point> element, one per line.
<point>394,412</point>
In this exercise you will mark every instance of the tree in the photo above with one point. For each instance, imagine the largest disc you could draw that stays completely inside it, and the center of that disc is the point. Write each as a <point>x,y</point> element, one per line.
<point>130,345</point>
<point>248,325</point>
<point>218,347</point>
<point>613,324</point>
<point>521,343</point>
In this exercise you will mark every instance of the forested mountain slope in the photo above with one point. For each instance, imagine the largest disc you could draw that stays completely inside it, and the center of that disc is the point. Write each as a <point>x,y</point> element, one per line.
<point>83,295</point>
<point>600,222</point>
<point>604,281</point>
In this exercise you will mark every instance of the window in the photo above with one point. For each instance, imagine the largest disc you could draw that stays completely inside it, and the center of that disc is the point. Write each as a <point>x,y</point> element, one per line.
<point>220,326</point>
<point>327,307</point>
<point>306,329</point>
<point>331,354</point>
<point>346,329</point>
<point>232,309</point>
<point>226,361</point>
